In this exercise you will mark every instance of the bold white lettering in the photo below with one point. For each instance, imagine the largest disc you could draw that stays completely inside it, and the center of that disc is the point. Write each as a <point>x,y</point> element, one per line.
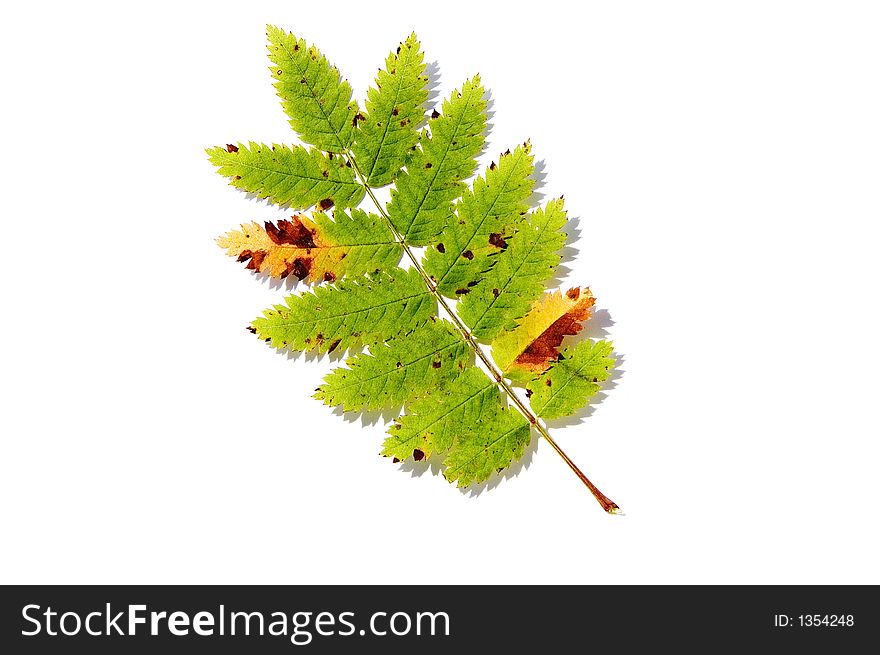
<point>24,614</point>
<point>178,623</point>
<point>373,624</point>
<point>203,624</point>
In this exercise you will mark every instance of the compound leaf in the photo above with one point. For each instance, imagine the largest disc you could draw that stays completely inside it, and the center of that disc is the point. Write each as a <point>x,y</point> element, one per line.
<point>483,249</point>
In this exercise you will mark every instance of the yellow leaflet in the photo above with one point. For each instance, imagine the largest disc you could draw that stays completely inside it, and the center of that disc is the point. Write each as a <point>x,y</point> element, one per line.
<point>530,348</point>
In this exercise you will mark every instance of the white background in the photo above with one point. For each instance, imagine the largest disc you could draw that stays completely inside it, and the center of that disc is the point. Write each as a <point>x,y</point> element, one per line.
<point>722,160</point>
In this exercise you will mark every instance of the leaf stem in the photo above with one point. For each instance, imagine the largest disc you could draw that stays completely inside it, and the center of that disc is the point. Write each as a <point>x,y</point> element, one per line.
<point>607,504</point>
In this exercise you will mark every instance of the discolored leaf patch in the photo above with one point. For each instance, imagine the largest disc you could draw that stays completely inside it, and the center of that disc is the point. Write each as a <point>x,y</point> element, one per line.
<point>529,349</point>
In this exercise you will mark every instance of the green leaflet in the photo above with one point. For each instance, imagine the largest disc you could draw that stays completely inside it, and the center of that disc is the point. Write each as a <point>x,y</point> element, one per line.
<point>366,309</point>
<point>467,421</point>
<point>421,203</point>
<point>431,423</point>
<point>291,176</point>
<point>405,368</point>
<point>317,101</point>
<point>489,447</point>
<point>394,111</point>
<point>483,218</point>
<point>518,276</point>
<point>567,385</point>
<point>367,242</point>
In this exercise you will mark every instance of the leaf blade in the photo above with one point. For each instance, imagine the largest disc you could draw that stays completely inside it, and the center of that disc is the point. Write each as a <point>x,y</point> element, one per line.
<point>317,101</point>
<point>288,176</point>
<point>483,219</point>
<point>421,203</point>
<point>518,276</point>
<point>317,249</point>
<point>401,370</point>
<point>432,422</point>
<point>489,449</point>
<point>530,348</point>
<point>394,110</point>
<point>568,385</point>
<point>362,310</point>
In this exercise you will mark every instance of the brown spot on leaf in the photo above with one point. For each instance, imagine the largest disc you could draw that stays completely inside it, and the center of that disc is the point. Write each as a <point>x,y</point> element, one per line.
<point>395,460</point>
<point>325,173</point>
<point>473,283</point>
<point>543,350</point>
<point>492,166</point>
<point>251,329</point>
<point>279,71</point>
<point>418,455</point>
<point>548,382</point>
<point>496,292</point>
<point>300,267</point>
<point>435,364</point>
<point>256,258</point>
<point>441,248</point>
<point>329,276</point>
<point>334,346</point>
<point>231,148</point>
<point>528,393</point>
<point>461,292</point>
<point>291,232</point>
<point>467,254</point>
<point>429,165</point>
<point>236,177</point>
<point>395,111</point>
<point>497,240</point>
<point>325,204</point>
<point>357,117</point>
<point>435,114</point>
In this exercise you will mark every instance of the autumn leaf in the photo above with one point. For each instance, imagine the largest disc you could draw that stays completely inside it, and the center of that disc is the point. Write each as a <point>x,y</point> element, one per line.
<point>483,243</point>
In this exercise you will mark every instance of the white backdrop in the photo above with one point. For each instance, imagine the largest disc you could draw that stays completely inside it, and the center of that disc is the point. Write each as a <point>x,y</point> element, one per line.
<point>722,161</point>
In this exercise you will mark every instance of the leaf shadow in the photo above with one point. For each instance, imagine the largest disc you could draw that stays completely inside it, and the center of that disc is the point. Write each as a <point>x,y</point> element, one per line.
<point>370,417</point>
<point>432,72</point>
<point>539,177</point>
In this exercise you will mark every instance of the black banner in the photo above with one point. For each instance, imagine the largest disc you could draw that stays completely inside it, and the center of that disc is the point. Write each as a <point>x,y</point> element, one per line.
<point>392,619</point>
